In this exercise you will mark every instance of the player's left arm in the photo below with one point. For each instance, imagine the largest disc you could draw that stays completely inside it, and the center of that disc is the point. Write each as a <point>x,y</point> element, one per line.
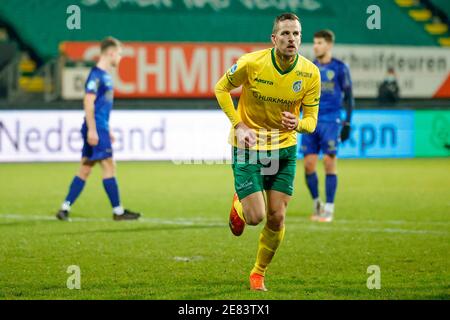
<point>349,102</point>
<point>111,136</point>
<point>310,106</point>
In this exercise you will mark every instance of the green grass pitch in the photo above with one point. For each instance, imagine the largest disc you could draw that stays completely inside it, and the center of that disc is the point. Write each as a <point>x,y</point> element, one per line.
<point>391,213</point>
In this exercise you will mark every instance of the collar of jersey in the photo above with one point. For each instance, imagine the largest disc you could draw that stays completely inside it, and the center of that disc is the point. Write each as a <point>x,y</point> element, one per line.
<point>274,62</point>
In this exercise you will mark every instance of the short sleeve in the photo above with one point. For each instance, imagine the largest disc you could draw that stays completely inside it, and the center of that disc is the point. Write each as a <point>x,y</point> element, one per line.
<point>92,83</point>
<point>345,79</point>
<point>238,73</point>
<point>312,96</point>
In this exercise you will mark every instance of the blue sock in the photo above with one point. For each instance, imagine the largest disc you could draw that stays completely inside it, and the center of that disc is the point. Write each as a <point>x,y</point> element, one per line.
<point>75,189</point>
<point>330,186</point>
<point>112,190</point>
<point>313,184</point>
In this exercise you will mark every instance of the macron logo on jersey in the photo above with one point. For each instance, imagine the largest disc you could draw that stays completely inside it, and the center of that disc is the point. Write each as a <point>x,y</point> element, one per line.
<point>270,83</point>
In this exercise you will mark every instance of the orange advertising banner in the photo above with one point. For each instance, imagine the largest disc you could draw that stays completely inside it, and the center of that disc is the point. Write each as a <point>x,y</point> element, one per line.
<point>162,70</point>
<point>191,70</point>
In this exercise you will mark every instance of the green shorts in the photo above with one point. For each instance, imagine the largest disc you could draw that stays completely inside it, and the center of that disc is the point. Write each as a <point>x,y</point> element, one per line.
<point>264,170</point>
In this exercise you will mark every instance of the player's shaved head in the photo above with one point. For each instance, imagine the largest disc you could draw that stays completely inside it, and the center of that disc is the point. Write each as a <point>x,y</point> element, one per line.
<point>109,42</point>
<point>283,17</point>
<point>286,35</point>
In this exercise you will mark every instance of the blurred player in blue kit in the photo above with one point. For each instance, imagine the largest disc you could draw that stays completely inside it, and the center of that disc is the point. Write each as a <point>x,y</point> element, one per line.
<point>336,92</point>
<point>96,133</point>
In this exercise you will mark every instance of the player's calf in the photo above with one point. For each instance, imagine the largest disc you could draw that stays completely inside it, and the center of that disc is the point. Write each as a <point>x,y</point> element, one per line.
<point>75,189</point>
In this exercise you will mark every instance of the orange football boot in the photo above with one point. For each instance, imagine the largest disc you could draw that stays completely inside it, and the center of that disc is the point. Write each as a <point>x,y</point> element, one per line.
<point>257,282</point>
<point>236,223</point>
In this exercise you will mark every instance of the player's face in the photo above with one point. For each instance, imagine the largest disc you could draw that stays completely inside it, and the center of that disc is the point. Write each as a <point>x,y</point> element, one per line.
<point>115,55</point>
<point>288,37</point>
<point>321,47</point>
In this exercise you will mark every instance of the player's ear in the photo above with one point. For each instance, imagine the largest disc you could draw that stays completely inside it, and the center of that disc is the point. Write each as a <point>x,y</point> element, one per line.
<point>272,37</point>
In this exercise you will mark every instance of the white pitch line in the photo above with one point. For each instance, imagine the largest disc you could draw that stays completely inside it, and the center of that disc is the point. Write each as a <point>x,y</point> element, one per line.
<point>371,230</point>
<point>334,227</point>
<point>397,222</point>
<point>193,220</point>
<point>26,217</point>
<point>176,221</point>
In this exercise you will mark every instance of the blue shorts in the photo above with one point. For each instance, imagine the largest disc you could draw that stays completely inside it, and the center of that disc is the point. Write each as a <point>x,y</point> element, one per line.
<point>325,138</point>
<point>103,150</point>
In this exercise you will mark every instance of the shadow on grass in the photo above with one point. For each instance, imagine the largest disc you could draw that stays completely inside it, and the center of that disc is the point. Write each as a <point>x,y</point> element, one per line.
<point>441,296</point>
<point>211,290</point>
<point>144,229</point>
<point>19,224</point>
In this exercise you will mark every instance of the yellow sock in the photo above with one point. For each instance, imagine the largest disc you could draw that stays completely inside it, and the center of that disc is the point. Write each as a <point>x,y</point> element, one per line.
<point>238,206</point>
<point>269,241</point>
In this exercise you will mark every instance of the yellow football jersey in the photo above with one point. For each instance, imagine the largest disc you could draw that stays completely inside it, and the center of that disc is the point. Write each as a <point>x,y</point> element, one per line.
<point>267,91</point>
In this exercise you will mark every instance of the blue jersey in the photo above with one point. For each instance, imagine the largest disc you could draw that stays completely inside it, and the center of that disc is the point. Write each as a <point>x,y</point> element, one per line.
<point>99,82</point>
<point>335,77</point>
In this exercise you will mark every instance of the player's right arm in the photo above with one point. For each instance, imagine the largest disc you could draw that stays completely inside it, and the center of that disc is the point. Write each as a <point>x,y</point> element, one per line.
<point>91,89</point>
<point>232,79</point>
<point>89,110</point>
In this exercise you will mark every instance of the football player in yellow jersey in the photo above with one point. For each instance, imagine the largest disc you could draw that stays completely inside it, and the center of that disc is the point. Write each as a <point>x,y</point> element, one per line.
<point>276,84</point>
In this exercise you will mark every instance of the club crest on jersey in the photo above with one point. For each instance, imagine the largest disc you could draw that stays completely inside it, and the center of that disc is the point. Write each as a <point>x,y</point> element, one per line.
<point>297,86</point>
<point>330,74</point>
<point>233,68</point>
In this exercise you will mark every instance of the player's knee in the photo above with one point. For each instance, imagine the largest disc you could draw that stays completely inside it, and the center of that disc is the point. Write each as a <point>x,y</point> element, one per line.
<point>254,220</point>
<point>85,171</point>
<point>109,168</point>
<point>275,220</point>
<point>254,216</point>
<point>276,216</point>
<point>310,166</point>
<point>113,168</point>
<point>330,163</point>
